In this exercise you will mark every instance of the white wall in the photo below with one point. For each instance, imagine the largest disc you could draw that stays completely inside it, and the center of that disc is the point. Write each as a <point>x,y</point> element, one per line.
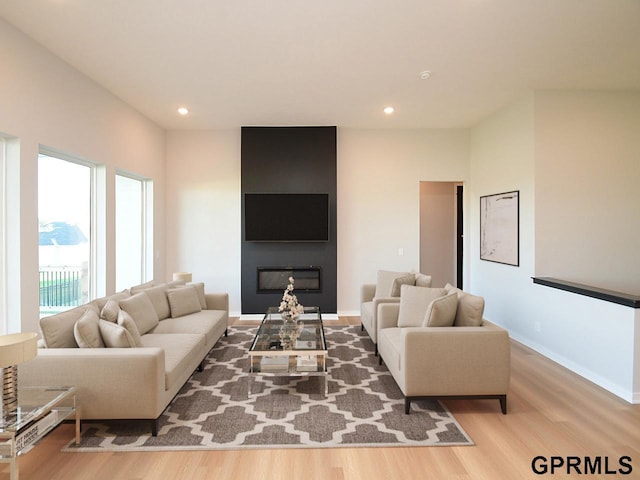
<point>588,166</point>
<point>46,102</point>
<point>589,336</point>
<point>379,175</point>
<point>203,232</point>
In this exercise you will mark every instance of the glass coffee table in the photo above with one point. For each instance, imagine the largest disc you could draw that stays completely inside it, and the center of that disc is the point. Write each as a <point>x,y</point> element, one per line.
<point>289,349</point>
<point>39,410</point>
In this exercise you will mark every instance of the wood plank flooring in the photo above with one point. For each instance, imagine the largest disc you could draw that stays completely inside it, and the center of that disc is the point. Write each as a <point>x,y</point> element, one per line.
<point>552,412</point>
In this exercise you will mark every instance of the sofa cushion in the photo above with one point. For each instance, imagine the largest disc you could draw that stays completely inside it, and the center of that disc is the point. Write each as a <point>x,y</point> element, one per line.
<point>58,330</point>
<point>470,308</point>
<point>125,320</point>
<point>183,301</point>
<point>423,280</point>
<point>409,279</point>
<point>181,350</point>
<point>158,297</point>
<point>441,312</point>
<point>384,283</point>
<point>115,336</point>
<point>87,331</point>
<point>205,322</point>
<point>414,302</point>
<point>141,309</point>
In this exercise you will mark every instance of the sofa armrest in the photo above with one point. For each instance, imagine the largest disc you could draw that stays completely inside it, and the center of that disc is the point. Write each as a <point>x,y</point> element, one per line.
<point>388,315</point>
<point>217,301</point>
<point>367,291</point>
<point>457,360</point>
<point>110,382</point>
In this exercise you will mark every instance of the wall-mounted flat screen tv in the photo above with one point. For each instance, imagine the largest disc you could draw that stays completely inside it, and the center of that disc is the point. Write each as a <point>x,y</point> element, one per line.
<point>286,217</point>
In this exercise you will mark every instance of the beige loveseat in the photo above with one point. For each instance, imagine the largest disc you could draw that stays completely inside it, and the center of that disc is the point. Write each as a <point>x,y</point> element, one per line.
<point>385,290</point>
<point>129,354</point>
<point>445,351</point>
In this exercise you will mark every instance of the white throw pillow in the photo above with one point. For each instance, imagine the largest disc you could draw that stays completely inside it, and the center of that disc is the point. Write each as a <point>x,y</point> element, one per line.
<point>125,320</point>
<point>414,302</point>
<point>140,308</point>
<point>116,336</point>
<point>110,310</point>
<point>183,301</point>
<point>201,297</point>
<point>441,312</point>
<point>158,297</point>
<point>409,279</point>
<point>87,331</point>
<point>384,284</point>
<point>470,310</point>
<point>423,280</point>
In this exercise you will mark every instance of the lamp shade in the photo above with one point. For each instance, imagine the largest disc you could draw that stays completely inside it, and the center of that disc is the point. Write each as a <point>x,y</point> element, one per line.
<point>17,348</point>
<point>184,276</point>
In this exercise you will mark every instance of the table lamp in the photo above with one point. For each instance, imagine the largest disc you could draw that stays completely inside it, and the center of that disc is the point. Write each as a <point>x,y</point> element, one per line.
<point>15,348</point>
<point>186,277</point>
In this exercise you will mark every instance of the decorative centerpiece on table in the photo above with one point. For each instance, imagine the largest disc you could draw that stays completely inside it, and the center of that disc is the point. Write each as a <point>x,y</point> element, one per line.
<point>291,311</point>
<point>289,306</point>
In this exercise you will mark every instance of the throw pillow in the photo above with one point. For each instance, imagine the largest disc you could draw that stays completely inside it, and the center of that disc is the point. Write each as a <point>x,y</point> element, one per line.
<point>384,282</point>
<point>409,279</point>
<point>183,301</point>
<point>87,331</point>
<point>110,310</point>
<point>441,312</point>
<point>58,330</point>
<point>115,336</point>
<point>414,302</point>
<point>470,310</point>
<point>140,308</point>
<point>125,320</point>
<point>423,280</point>
<point>201,297</point>
<point>158,297</point>
<point>143,286</point>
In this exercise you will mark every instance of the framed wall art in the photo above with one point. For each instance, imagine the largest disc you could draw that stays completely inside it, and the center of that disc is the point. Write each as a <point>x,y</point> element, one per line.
<point>499,228</point>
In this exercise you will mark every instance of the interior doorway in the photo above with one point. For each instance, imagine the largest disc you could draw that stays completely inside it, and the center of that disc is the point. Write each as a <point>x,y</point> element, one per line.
<point>441,232</point>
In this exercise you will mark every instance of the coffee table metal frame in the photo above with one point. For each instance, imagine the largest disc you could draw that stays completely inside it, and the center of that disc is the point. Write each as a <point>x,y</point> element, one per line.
<point>308,357</point>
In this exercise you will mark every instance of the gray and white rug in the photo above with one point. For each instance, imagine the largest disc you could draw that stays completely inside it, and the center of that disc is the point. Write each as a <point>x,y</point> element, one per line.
<point>364,407</point>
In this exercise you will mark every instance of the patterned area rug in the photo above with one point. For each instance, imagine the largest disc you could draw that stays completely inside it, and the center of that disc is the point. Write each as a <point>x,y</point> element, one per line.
<point>364,407</point>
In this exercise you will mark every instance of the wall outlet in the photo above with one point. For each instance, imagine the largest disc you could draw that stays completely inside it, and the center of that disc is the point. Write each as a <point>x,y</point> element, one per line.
<point>536,326</point>
<point>400,252</point>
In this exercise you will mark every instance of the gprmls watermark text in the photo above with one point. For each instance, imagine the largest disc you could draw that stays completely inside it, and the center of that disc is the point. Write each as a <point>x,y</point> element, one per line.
<point>574,465</point>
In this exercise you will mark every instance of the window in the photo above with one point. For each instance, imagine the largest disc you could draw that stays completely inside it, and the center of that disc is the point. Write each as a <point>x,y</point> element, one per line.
<point>65,193</point>
<point>3,270</point>
<point>131,231</point>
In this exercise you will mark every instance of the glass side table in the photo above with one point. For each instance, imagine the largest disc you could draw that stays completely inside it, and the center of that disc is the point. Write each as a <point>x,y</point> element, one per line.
<point>40,410</point>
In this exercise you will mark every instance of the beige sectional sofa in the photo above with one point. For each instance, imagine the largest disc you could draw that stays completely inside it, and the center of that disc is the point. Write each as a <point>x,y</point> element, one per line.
<point>129,354</point>
<point>436,344</point>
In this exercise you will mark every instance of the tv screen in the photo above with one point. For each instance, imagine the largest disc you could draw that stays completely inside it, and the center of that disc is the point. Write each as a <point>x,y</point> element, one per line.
<point>286,217</point>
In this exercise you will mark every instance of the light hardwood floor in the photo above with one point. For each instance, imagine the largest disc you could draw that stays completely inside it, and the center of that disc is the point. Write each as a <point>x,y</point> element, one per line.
<point>552,412</point>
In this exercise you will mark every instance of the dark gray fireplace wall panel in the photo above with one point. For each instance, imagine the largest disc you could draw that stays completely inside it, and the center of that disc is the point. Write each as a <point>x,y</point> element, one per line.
<point>289,160</point>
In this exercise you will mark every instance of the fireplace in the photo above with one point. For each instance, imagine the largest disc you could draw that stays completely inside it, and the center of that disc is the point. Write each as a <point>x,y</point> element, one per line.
<point>276,279</point>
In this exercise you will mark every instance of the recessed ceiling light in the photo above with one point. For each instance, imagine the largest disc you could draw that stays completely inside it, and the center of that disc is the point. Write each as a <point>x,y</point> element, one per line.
<point>388,110</point>
<point>425,74</point>
<point>183,110</point>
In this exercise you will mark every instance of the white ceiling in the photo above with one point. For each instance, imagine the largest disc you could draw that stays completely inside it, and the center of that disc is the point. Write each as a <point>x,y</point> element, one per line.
<point>336,62</point>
